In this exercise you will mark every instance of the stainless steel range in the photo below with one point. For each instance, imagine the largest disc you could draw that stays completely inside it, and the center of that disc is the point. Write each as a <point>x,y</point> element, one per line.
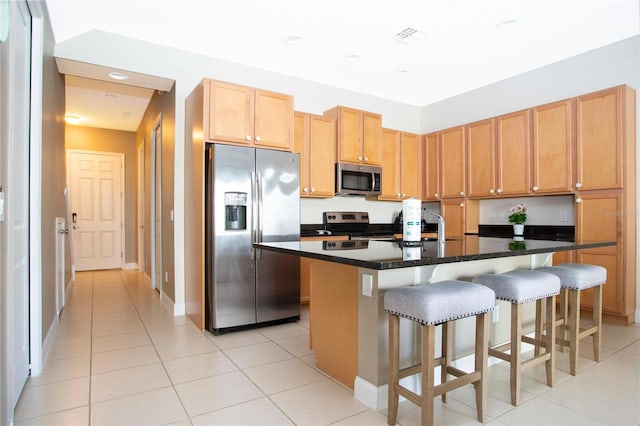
<point>356,225</point>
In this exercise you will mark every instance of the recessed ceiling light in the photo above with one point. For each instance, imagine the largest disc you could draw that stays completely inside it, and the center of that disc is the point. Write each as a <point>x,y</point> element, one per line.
<point>401,73</point>
<point>506,24</point>
<point>118,75</point>
<point>352,58</point>
<point>71,119</point>
<point>292,39</point>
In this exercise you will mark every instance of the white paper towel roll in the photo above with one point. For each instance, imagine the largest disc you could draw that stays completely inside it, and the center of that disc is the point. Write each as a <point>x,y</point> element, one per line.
<point>411,219</point>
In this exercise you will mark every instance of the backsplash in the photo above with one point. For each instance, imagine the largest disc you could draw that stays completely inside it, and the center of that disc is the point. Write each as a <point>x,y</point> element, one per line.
<point>550,210</point>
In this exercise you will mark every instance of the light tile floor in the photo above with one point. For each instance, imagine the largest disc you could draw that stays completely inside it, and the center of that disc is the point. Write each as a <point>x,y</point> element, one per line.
<point>121,358</point>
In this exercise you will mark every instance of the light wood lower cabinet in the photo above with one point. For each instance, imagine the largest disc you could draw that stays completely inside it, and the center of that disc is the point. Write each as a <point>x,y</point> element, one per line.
<point>305,266</point>
<point>603,216</point>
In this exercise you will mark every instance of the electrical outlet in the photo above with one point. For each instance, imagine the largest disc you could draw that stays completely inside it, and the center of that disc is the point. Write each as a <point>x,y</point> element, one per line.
<point>166,276</point>
<point>564,217</point>
<point>367,285</point>
<point>496,314</point>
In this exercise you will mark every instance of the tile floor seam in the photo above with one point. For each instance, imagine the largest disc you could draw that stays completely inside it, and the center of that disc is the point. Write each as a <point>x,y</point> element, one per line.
<point>173,385</point>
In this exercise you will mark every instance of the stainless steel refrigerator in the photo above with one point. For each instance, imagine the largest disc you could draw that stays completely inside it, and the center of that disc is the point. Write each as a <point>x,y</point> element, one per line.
<point>251,195</point>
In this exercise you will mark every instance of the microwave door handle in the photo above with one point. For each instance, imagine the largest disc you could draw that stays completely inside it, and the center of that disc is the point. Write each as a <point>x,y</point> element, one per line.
<point>253,215</point>
<point>373,181</point>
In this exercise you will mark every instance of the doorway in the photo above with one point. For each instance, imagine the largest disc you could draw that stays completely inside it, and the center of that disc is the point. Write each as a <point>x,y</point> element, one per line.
<point>156,205</point>
<point>140,206</point>
<point>96,182</point>
<point>15,72</point>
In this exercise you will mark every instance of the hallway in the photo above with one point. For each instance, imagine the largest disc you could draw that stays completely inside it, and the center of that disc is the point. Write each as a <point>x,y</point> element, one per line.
<point>120,358</point>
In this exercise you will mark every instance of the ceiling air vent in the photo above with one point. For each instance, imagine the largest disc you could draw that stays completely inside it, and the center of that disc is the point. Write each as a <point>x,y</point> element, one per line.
<point>408,36</point>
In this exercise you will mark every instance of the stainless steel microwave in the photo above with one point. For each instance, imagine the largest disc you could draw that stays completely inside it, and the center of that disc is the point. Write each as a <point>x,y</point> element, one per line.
<point>358,179</point>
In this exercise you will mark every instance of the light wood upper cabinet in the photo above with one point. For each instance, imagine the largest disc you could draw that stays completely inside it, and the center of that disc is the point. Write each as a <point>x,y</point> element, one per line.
<point>359,135</point>
<point>247,116</point>
<point>599,139</point>
<point>410,165</point>
<point>552,148</point>
<point>431,168</point>
<point>513,133</point>
<point>314,139</point>
<point>401,169</point>
<point>481,159</point>
<point>452,159</point>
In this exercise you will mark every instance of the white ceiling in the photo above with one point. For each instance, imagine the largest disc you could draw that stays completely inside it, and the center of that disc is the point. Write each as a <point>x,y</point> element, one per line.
<point>460,46</point>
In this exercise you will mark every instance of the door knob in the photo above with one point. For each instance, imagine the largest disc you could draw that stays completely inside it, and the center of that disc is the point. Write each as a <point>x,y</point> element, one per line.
<point>75,227</point>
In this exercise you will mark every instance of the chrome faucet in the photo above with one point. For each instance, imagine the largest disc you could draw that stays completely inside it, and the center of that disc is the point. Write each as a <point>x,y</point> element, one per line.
<point>441,236</point>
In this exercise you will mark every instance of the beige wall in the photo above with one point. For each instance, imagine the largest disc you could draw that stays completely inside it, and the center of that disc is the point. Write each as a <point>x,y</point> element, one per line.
<point>161,110</point>
<point>53,177</point>
<point>106,140</point>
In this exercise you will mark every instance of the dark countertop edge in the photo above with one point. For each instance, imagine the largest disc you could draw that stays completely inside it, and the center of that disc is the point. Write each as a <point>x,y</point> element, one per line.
<point>397,264</point>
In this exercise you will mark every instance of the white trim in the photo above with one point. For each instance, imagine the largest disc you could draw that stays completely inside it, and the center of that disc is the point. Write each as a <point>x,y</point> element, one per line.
<point>637,316</point>
<point>140,204</point>
<point>369,394</point>
<point>70,284</point>
<point>147,279</point>
<point>130,266</point>
<point>49,339</point>
<point>175,308</point>
<point>35,190</point>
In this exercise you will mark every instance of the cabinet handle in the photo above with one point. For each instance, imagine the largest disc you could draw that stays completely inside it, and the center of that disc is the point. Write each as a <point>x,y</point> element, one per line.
<point>258,138</point>
<point>404,195</point>
<point>306,189</point>
<point>491,191</point>
<point>398,195</point>
<point>578,185</point>
<point>578,200</point>
<point>313,190</point>
<point>366,158</point>
<point>461,204</point>
<point>535,188</point>
<point>436,195</point>
<point>499,191</point>
<point>462,193</point>
<point>248,137</point>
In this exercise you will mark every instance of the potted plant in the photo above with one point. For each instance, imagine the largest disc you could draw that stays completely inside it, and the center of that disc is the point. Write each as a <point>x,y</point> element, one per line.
<point>518,217</point>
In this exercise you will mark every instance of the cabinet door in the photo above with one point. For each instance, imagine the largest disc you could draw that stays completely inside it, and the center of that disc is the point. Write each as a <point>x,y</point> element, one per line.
<point>273,117</point>
<point>599,217</point>
<point>599,131</point>
<point>452,160</point>
<point>453,213</point>
<point>371,137</point>
<point>431,171</point>
<point>349,135</point>
<point>230,113</point>
<point>481,154</point>
<point>410,170</point>
<point>301,146</point>
<point>390,165</point>
<point>322,156</point>
<point>513,153</point>
<point>552,165</point>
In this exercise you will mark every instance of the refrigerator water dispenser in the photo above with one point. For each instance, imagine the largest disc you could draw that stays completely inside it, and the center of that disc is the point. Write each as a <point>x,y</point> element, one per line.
<point>235,205</point>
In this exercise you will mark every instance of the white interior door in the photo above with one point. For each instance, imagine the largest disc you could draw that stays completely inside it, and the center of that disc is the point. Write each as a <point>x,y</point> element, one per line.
<point>15,65</point>
<point>156,208</point>
<point>96,190</point>
<point>141,207</point>
<point>61,232</point>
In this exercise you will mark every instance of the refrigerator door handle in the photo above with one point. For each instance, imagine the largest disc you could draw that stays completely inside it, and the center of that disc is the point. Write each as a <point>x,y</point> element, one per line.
<point>254,225</point>
<point>260,185</point>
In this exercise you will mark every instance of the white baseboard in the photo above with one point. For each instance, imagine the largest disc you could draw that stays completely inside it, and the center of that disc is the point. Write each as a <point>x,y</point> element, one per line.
<point>48,342</point>
<point>369,394</point>
<point>176,308</point>
<point>147,278</point>
<point>130,266</point>
<point>637,316</point>
<point>67,291</point>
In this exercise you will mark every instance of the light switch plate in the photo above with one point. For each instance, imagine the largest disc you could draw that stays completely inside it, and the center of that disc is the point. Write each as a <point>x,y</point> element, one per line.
<point>367,285</point>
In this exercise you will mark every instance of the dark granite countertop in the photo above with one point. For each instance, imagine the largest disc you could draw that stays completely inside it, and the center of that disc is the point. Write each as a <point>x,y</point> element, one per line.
<point>381,255</point>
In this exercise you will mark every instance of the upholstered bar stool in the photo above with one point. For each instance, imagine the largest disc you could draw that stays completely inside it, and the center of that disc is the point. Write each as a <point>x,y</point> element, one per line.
<point>430,305</point>
<point>575,277</point>
<point>519,287</point>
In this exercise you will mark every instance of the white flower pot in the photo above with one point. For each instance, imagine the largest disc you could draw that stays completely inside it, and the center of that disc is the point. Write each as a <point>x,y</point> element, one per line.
<point>518,229</point>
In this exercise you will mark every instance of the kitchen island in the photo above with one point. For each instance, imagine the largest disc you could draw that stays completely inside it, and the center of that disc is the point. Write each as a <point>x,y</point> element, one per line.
<point>348,325</point>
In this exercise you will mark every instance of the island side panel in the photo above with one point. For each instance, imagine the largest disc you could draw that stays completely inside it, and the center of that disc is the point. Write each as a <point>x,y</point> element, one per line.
<point>333,321</point>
